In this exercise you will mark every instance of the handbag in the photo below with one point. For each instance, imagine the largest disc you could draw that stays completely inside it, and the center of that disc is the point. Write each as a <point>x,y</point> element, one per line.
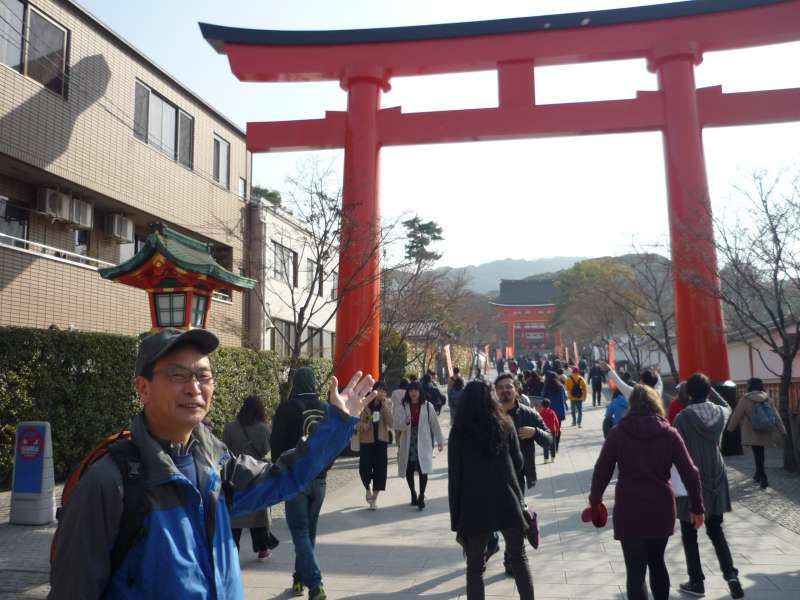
<point>532,519</point>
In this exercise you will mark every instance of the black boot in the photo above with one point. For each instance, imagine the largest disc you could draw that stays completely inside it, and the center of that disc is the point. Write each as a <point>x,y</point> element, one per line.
<point>414,501</point>
<point>421,502</point>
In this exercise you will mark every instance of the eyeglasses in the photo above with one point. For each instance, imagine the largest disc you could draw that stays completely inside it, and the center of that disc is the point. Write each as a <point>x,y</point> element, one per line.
<point>184,376</point>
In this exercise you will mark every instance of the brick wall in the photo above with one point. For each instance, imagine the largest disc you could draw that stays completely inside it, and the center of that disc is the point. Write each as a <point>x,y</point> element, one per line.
<point>39,292</point>
<point>84,142</point>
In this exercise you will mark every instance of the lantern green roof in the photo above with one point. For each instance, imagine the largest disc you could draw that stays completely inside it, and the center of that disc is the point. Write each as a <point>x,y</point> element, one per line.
<point>184,252</point>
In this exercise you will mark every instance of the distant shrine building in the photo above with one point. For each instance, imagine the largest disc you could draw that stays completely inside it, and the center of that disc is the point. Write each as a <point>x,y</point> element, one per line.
<point>527,308</point>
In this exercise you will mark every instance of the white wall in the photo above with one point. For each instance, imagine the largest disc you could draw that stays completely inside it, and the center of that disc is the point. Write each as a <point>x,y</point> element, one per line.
<point>284,229</point>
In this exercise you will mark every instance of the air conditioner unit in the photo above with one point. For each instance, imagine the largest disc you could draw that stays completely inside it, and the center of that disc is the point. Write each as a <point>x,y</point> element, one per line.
<point>81,215</point>
<point>119,228</point>
<point>53,204</point>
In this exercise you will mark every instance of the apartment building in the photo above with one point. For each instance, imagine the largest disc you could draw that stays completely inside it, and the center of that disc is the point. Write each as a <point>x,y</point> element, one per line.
<point>298,274</point>
<point>96,142</point>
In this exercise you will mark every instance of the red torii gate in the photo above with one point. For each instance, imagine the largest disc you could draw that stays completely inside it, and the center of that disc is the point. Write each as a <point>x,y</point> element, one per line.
<point>671,37</point>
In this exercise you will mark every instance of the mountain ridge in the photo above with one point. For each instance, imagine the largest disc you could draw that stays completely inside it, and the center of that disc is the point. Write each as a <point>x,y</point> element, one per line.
<point>485,277</point>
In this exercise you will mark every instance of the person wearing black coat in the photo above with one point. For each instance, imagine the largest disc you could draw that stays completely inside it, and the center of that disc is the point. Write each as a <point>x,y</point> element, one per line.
<point>484,460</point>
<point>530,427</point>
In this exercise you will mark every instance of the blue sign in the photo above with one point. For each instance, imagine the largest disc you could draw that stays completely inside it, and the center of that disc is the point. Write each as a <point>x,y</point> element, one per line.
<point>29,459</point>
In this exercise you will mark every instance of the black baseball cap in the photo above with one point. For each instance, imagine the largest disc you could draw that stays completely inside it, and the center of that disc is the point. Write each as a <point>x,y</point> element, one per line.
<point>161,343</point>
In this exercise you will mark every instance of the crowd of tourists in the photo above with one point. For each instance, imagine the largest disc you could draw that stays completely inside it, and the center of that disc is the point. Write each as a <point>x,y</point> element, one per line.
<point>135,507</point>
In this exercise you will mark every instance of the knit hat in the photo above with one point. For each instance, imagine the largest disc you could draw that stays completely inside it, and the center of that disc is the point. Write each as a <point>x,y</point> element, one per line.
<point>597,514</point>
<point>304,382</point>
<point>575,370</point>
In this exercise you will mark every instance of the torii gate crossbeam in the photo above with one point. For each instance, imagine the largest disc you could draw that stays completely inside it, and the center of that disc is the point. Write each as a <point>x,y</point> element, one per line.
<point>671,38</point>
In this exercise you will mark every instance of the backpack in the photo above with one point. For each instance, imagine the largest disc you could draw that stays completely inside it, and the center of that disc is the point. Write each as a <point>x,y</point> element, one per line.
<point>762,417</point>
<point>126,456</point>
<point>575,390</point>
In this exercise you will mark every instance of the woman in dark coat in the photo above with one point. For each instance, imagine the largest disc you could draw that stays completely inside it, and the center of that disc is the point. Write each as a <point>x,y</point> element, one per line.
<point>643,447</point>
<point>249,434</point>
<point>483,461</point>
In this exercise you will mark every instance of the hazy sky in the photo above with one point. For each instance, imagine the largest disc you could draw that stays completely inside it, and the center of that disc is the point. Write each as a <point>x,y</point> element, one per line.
<point>494,199</point>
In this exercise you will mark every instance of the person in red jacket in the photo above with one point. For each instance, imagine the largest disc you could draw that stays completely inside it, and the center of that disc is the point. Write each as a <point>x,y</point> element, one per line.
<point>679,402</point>
<point>642,448</point>
<point>550,419</point>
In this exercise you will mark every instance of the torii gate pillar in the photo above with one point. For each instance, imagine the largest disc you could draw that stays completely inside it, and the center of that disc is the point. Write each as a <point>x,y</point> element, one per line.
<point>358,316</point>
<point>697,304</point>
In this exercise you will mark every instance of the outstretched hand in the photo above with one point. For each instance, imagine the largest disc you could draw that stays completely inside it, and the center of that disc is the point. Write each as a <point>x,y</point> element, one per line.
<point>354,396</point>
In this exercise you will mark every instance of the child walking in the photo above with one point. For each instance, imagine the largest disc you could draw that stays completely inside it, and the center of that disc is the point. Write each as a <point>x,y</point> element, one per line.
<point>550,419</point>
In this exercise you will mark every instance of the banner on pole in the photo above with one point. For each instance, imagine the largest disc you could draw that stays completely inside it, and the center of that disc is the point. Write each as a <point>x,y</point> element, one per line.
<point>575,350</point>
<point>448,360</point>
<point>612,360</point>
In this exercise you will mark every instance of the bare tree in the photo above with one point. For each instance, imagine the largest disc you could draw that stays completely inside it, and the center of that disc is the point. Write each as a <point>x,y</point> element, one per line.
<point>627,299</point>
<point>759,274</point>
<point>297,271</point>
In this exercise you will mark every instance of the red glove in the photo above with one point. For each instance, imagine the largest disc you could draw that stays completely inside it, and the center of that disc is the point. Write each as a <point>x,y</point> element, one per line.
<point>597,514</point>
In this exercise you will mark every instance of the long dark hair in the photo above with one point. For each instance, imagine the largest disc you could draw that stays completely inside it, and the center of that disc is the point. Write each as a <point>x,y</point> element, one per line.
<point>551,382</point>
<point>479,422</point>
<point>252,411</point>
<point>414,385</point>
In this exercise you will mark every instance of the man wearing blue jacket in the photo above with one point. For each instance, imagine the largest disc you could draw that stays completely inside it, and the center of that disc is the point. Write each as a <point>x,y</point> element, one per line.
<point>192,485</point>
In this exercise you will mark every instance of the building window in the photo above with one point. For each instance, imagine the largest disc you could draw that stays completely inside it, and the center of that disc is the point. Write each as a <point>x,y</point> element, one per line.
<point>42,55</point>
<point>334,284</point>
<point>242,188</point>
<point>14,221</point>
<point>12,14</point>
<point>311,272</point>
<point>129,249</point>
<point>284,265</point>
<point>81,242</point>
<point>281,337</point>
<point>221,161</point>
<point>170,309</point>
<point>164,126</point>
<point>46,52</point>
<point>199,304</point>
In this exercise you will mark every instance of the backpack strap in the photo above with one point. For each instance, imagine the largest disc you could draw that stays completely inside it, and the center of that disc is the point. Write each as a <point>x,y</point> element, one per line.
<point>134,507</point>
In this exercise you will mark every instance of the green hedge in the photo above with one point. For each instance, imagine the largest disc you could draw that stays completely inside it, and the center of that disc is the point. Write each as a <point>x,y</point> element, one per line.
<point>82,384</point>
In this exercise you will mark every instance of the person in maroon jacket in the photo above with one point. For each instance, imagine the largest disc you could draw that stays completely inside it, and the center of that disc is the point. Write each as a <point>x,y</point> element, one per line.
<point>643,446</point>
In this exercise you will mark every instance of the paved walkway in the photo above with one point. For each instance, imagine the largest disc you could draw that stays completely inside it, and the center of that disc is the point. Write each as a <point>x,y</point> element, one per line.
<point>398,552</point>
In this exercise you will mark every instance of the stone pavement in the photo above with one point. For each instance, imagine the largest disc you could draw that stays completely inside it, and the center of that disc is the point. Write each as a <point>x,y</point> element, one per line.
<point>398,552</point>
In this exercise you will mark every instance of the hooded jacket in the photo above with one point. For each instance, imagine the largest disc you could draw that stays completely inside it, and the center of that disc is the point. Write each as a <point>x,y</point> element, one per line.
<point>742,415</point>
<point>185,548</point>
<point>617,408</point>
<point>701,425</point>
<point>644,448</point>
<point>297,416</point>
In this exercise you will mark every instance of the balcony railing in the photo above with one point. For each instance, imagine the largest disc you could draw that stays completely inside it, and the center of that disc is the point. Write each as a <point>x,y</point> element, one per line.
<point>51,253</point>
<point>79,260</point>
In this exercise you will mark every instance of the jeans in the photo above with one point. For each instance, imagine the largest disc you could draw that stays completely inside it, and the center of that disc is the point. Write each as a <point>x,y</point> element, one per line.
<point>692,551</point>
<point>302,514</point>
<point>475,548</point>
<point>597,395</point>
<point>758,457</point>
<point>641,555</point>
<point>577,407</point>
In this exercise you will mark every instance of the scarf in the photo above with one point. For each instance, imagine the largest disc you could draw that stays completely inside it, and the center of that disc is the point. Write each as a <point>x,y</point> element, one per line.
<point>415,410</point>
